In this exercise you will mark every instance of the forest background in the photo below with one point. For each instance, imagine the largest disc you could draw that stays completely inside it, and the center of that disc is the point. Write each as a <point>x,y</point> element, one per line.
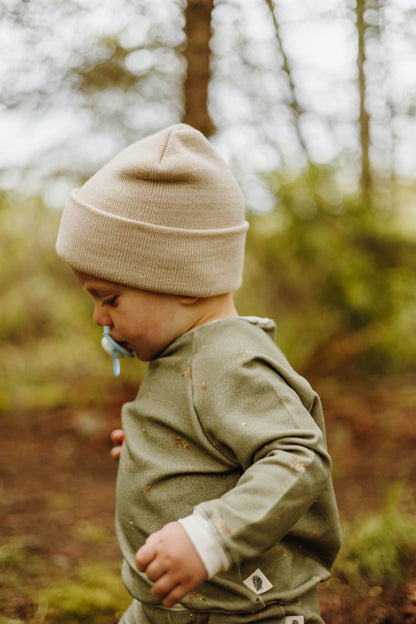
<point>312,105</point>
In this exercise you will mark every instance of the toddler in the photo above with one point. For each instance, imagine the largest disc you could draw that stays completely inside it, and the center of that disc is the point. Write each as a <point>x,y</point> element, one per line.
<point>225,507</point>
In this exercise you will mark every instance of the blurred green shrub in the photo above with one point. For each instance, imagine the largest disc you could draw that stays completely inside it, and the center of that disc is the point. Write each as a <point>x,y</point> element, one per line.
<point>339,276</point>
<point>96,591</point>
<point>50,347</point>
<point>378,548</point>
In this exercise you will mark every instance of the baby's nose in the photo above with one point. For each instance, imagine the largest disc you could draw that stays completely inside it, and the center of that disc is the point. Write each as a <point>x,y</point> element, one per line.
<point>100,317</point>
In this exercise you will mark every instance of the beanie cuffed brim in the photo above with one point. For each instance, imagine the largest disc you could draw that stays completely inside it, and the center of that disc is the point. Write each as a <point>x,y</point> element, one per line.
<point>151,257</point>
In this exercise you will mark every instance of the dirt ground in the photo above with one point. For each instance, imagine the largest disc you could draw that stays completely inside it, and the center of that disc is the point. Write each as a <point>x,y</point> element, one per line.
<point>57,479</point>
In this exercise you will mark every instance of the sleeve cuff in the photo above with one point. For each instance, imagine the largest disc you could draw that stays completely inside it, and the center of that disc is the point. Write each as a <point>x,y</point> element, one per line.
<point>212,554</point>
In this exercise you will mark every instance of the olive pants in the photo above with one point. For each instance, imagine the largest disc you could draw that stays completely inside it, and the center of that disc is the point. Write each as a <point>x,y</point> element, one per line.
<point>304,611</point>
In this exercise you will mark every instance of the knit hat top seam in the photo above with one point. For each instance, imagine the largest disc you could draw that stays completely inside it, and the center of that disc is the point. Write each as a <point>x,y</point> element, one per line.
<point>165,147</point>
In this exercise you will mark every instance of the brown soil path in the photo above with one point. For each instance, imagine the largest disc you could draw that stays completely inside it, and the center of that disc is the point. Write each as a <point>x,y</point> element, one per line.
<point>57,479</point>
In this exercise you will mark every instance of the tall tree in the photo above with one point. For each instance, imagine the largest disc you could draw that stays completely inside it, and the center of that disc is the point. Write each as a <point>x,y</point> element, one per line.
<point>123,75</point>
<point>197,55</point>
<point>364,117</point>
<point>295,107</point>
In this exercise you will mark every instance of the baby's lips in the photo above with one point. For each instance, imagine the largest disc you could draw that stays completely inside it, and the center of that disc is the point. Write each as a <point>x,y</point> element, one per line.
<point>127,346</point>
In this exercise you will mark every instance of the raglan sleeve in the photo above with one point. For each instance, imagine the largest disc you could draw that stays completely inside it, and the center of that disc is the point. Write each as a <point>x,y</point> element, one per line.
<point>254,417</point>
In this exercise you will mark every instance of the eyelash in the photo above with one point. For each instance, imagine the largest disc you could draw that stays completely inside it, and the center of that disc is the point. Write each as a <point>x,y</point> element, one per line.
<point>112,302</point>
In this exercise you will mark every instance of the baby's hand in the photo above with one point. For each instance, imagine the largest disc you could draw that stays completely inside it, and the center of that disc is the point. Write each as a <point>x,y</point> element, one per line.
<point>117,438</point>
<point>172,563</point>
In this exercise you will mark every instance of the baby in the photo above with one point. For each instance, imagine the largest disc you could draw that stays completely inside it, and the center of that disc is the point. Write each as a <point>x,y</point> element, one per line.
<point>225,507</point>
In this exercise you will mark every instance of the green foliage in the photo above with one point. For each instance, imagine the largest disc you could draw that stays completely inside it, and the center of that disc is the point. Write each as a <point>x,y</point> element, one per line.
<point>93,593</point>
<point>50,348</point>
<point>109,71</point>
<point>332,268</point>
<point>338,276</point>
<point>13,555</point>
<point>378,548</point>
<point>96,590</point>
<point>20,569</point>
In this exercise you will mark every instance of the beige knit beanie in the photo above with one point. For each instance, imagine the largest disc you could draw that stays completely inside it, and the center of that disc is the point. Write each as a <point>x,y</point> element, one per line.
<point>164,215</point>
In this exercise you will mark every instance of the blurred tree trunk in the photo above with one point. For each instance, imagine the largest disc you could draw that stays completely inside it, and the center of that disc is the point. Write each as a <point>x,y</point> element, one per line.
<point>364,118</point>
<point>296,108</point>
<point>197,55</point>
<point>382,174</point>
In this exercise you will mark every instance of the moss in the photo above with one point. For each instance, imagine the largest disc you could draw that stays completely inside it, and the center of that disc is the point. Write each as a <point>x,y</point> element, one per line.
<point>95,591</point>
<point>379,548</point>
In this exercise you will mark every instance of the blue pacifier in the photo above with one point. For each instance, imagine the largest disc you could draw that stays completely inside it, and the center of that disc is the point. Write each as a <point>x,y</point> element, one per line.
<point>113,348</point>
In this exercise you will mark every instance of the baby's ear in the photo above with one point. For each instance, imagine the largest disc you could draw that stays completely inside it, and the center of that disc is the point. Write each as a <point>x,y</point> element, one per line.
<point>188,300</point>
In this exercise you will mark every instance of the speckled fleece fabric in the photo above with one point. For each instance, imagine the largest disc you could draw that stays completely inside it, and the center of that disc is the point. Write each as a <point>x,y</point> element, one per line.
<point>222,423</point>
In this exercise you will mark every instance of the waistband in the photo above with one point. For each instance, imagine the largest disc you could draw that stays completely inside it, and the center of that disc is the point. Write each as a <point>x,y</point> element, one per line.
<point>306,609</point>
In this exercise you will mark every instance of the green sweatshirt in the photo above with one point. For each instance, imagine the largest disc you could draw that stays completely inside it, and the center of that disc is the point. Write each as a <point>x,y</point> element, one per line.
<point>224,425</point>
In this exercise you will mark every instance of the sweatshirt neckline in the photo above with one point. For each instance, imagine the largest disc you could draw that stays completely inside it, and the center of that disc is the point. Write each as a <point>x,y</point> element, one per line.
<point>265,324</point>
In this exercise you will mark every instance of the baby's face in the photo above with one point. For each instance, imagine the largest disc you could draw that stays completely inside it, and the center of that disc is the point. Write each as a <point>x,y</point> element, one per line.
<point>141,321</point>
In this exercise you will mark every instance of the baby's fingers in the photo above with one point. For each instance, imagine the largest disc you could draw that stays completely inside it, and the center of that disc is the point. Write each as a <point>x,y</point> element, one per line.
<point>172,594</point>
<point>117,439</point>
<point>115,452</point>
<point>163,587</point>
<point>144,556</point>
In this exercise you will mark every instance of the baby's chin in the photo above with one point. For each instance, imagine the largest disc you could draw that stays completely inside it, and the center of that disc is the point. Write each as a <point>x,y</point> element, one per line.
<point>128,347</point>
